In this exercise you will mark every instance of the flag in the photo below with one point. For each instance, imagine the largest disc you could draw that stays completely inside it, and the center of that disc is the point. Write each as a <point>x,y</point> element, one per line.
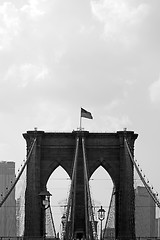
<point>86,114</point>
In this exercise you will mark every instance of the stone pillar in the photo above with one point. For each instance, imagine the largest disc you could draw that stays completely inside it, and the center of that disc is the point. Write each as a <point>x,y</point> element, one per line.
<point>34,213</point>
<point>125,202</point>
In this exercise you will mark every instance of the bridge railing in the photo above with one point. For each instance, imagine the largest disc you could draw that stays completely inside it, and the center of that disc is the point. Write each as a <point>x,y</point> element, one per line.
<point>136,238</point>
<point>50,238</point>
<point>28,238</point>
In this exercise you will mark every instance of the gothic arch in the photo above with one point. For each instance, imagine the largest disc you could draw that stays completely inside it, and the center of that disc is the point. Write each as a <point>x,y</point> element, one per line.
<point>102,149</point>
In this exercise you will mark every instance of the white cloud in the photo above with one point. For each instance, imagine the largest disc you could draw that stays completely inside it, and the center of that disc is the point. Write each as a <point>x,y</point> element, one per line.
<point>13,19</point>
<point>33,9</point>
<point>23,75</point>
<point>154,91</point>
<point>119,17</point>
<point>9,24</point>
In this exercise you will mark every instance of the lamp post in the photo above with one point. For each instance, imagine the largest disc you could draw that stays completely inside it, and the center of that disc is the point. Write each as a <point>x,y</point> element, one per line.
<point>101,217</point>
<point>63,221</point>
<point>45,198</point>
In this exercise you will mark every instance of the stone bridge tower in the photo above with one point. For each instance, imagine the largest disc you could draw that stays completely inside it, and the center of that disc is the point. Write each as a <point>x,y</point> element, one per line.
<point>102,149</point>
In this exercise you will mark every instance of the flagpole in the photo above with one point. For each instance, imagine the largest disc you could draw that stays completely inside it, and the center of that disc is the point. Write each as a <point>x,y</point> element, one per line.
<point>80,127</point>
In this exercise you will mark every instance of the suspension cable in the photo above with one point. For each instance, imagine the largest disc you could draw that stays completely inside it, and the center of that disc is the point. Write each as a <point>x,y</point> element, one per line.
<point>88,194</point>
<point>86,191</point>
<point>152,194</point>
<point>19,175</point>
<point>70,202</point>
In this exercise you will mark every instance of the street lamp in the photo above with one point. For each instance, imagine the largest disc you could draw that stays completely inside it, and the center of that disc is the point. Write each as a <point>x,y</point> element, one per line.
<point>63,221</point>
<point>45,198</point>
<point>101,217</point>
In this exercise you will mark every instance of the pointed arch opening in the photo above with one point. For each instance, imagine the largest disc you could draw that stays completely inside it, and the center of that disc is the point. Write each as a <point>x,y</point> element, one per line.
<point>58,185</point>
<point>101,186</point>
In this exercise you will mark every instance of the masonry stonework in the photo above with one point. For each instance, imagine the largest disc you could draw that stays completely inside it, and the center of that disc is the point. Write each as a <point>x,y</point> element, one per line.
<point>102,149</point>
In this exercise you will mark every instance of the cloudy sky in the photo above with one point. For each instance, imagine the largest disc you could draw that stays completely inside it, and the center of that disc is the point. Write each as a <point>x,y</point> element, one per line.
<point>57,56</point>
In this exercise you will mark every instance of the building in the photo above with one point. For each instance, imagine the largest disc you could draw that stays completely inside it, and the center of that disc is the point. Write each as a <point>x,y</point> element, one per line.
<point>145,216</point>
<point>20,215</point>
<point>145,213</point>
<point>20,204</point>
<point>8,209</point>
